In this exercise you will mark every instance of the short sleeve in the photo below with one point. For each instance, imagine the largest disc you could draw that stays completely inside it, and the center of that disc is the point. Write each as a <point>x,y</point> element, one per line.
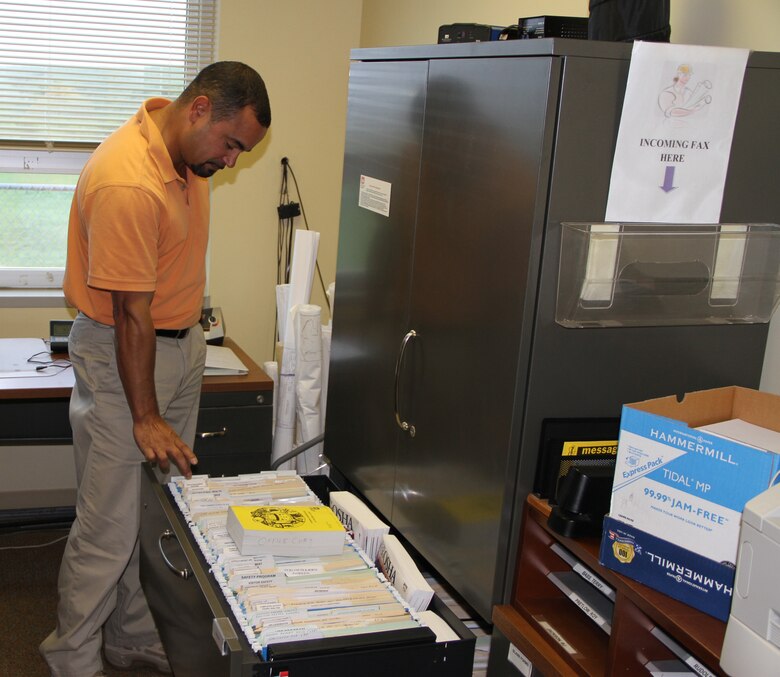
<point>122,224</point>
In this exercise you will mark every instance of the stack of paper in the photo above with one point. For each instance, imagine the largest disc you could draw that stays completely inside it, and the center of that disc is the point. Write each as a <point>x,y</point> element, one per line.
<point>399,568</point>
<point>203,495</point>
<point>294,598</point>
<point>285,530</point>
<point>362,524</point>
<point>746,433</point>
<point>222,361</point>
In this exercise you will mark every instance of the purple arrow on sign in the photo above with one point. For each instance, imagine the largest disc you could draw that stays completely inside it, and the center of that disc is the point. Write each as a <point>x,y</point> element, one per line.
<point>668,180</point>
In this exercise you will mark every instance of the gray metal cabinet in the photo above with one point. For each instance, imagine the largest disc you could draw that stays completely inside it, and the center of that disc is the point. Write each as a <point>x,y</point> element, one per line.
<point>452,263</point>
<point>445,315</point>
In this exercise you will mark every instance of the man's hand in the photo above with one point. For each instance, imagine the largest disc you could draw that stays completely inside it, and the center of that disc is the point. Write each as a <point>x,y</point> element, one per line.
<point>160,444</point>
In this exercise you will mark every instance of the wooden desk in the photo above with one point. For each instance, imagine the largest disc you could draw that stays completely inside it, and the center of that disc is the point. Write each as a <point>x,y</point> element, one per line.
<point>234,422</point>
<point>59,384</point>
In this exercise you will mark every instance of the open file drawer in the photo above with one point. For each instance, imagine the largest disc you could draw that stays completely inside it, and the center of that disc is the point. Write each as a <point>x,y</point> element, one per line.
<point>202,638</point>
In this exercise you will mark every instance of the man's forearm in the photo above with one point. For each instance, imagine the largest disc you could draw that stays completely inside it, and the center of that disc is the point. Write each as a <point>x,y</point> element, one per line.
<point>136,349</point>
<point>135,353</point>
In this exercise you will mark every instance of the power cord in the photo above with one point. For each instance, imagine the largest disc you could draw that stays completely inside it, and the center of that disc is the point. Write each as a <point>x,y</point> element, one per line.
<point>34,545</point>
<point>287,211</point>
<point>46,364</point>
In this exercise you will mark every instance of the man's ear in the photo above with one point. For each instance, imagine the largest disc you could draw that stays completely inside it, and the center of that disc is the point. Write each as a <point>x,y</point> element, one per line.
<point>200,108</point>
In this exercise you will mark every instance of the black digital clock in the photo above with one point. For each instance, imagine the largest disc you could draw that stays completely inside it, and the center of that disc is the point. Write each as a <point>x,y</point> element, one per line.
<point>59,331</point>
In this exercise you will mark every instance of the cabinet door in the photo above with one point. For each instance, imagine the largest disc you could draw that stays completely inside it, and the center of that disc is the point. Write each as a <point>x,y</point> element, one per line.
<point>482,187</point>
<point>383,142</point>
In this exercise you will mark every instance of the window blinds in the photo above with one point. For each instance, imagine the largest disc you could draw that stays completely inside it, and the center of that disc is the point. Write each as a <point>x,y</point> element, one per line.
<point>72,71</point>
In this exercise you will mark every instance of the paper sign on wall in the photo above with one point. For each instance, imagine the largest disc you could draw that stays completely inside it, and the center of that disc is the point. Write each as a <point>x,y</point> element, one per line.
<point>675,133</point>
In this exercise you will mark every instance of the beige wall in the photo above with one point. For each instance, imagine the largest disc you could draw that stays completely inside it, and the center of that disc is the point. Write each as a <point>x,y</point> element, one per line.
<point>724,23</point>
<point>727,23</point>
<point>416,22</point>
<point>25,322</point>
<point>302,50</point>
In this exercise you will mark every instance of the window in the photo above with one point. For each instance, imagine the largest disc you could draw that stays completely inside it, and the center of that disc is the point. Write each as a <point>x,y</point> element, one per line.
<point>72,71</point>
<point>36,188</point>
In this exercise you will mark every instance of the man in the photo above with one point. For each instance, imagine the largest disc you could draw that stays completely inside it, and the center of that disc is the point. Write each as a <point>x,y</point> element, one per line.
<point>136,273</point>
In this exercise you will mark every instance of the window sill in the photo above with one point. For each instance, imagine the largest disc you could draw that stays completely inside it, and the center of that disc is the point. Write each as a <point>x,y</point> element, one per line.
<point>32,298</point>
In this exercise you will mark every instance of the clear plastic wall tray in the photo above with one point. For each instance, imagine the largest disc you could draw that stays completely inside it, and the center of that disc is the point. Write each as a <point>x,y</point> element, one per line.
<point>649,274</point>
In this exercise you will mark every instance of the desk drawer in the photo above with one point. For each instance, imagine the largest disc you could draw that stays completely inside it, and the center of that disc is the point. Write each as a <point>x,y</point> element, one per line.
<point>185,611</point>
<point>233,440</point>
<point>32,421</point>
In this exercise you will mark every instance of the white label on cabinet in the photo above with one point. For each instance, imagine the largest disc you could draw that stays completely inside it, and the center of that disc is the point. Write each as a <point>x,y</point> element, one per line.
<point>550,630</point>
<point>374,195</point>
<point>519,660</point>
<point>594,580</point>
<point>582,604</point>
<point>681,653</point>
<point>698,668</point>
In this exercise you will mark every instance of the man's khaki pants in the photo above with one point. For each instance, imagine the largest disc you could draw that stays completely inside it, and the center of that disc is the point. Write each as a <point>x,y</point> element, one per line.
<point>100,595</point>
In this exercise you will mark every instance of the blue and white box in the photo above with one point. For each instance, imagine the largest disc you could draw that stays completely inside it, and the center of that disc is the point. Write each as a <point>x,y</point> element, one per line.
<point>690,578</point>
<point>677,481</point>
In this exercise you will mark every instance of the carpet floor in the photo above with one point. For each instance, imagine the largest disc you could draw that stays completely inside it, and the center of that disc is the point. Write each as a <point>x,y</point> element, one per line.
<point>29,563</point>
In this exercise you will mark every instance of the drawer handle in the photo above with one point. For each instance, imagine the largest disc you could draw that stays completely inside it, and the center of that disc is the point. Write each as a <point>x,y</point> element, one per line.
<point>216,433</point>
<point>181,573</point>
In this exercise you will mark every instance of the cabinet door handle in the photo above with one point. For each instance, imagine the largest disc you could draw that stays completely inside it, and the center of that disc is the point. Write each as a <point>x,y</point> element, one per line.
<point>403,425</point>
<point>215,433</point>
<point>181,573</point>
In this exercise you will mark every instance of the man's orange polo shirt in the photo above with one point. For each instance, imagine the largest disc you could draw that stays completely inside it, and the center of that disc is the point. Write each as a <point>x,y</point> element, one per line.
<point>136,225</point>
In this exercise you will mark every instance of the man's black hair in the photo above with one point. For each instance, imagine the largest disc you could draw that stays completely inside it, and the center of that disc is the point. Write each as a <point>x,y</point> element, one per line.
<point>230,86</point>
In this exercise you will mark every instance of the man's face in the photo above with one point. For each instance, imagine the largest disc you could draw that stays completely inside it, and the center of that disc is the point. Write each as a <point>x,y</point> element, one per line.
<point>214,145</point>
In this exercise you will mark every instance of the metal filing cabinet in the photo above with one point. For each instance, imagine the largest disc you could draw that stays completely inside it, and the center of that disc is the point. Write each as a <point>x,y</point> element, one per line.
<point>202,637</point>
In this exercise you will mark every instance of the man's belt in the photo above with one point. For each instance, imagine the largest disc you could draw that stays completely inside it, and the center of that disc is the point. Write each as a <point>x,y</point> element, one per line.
<point>172,333</point>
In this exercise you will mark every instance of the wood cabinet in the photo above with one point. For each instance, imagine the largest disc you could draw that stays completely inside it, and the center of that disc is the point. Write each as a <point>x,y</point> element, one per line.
<point>557,635</point>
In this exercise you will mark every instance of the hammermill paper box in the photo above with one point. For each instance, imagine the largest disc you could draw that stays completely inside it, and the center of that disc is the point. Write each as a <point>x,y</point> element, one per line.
<point>678,481</point>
